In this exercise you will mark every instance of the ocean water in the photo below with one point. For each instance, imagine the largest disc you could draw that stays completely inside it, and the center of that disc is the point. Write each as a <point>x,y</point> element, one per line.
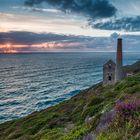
<point>31,82</point>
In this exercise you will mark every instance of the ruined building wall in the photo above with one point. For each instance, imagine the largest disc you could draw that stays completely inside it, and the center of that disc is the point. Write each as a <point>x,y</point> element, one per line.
<point>109,73</point>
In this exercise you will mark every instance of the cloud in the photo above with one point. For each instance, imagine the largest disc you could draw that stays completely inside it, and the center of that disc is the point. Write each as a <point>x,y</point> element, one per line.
<point>29,38</point>
<point>55,11</point>
<point>42,42</point>
<point>19,41</point>
<point>94,9</point>
<point>129,24</point>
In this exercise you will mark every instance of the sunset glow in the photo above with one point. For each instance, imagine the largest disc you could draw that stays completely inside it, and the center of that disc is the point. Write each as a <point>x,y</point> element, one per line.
<point>7,48</point>
<point>44,26</point>
<point>48,46</point>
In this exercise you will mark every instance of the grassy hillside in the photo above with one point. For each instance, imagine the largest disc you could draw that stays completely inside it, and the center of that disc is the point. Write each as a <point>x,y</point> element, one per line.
<point>101,113</point>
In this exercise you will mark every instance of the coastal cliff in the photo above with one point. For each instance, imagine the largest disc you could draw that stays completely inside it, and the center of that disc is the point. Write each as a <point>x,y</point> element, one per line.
<point>98,113</point>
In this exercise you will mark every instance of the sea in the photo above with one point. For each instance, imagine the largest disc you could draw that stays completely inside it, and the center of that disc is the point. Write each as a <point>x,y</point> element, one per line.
<point>35,81</point>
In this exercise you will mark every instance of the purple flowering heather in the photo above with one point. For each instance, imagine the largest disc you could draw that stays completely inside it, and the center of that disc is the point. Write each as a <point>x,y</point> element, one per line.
<point>128,108</point>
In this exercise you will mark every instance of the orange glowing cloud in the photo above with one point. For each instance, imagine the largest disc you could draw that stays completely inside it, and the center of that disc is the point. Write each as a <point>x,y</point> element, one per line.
<point>56,45</point>
<point>48,46</point>
<point>7,48</point>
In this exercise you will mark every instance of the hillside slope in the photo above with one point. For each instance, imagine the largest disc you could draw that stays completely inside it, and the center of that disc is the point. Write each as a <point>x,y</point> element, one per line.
<point>101,113</point>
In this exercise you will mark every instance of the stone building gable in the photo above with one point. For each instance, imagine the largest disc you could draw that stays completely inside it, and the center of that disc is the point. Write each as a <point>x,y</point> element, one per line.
<point>109,73</point>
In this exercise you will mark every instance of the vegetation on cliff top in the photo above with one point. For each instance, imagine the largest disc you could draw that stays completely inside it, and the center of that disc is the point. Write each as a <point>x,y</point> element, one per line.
<point>103,113</point>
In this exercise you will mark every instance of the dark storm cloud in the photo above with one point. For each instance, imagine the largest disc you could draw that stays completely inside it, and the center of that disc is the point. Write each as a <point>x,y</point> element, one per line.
<point>66,42</point>
<point>29,38</point>
<point>91,8</point>
<point>94,9</point>
<point>131,24</point>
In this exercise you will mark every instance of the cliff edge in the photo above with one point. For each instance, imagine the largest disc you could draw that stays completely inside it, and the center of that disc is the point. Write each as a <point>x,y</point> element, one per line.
<point>98,113</point>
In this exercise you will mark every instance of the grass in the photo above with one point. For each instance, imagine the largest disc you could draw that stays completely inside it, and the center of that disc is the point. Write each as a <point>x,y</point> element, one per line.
<point>67,120</point>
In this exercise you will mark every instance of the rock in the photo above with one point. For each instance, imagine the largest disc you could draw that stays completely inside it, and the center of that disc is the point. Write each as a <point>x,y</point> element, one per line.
<point>90,136</point>
<point>69,127</point>
<point>89,120</point>
<point>105,120</point>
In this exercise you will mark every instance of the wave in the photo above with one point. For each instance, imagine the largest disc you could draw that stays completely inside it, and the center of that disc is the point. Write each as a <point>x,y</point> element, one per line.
<point>33,82</point>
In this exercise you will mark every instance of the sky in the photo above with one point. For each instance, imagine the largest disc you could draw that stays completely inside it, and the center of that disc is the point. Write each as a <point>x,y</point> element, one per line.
<point>68,25</point>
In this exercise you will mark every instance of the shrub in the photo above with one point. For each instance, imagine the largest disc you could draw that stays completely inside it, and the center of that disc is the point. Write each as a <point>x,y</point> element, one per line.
<point>95,101</point>
<point>77,133</point>
<point>128,109</point>
<point>54,134</point>
<point>133,89</point>
<point>91,111</point>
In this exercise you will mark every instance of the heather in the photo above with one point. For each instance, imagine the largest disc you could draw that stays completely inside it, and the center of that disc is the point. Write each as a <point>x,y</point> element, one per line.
<point>98,113</point>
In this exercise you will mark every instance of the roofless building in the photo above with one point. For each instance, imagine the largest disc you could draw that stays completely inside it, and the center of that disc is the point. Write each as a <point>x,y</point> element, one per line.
<point>112,72</point>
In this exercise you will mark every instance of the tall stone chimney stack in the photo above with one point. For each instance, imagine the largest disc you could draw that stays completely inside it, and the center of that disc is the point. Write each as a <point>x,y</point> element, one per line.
<point>119,61</point>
